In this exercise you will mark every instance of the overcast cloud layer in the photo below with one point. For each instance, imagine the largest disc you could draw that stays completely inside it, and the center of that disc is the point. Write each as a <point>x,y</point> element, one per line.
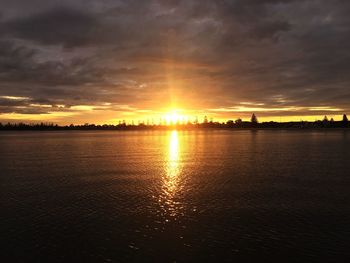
<point>224,57</point>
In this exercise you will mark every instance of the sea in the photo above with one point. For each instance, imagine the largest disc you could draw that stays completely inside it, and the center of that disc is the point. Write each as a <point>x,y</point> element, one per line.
<point>175,196</point>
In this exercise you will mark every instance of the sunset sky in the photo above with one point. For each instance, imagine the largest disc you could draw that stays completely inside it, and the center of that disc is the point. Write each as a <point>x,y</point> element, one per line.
<point>78,61</point>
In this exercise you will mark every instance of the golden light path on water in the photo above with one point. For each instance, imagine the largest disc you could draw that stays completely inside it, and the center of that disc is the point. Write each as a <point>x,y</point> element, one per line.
<point>171,185</point>
<point>173,160</point>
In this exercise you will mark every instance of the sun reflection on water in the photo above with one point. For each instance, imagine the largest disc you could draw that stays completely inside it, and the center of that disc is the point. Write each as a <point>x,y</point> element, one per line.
<point>173,157</point>
<point>171,179</point>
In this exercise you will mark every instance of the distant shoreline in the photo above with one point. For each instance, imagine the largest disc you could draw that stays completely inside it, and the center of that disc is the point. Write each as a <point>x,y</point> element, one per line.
<point>183,127</point>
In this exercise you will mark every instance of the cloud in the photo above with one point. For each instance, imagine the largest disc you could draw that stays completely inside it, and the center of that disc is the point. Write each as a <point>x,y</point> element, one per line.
<point>149,54</point>
<point>64,26</point>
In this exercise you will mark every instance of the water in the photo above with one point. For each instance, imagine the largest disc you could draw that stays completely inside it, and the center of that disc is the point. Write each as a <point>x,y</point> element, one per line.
<point>175,196</point>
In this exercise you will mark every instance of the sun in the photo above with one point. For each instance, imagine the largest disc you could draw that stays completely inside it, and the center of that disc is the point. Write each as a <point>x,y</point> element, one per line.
<point>174,117</point>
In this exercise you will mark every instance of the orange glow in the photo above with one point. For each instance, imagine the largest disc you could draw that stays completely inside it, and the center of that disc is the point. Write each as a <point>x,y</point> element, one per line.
<point>174,117</point>
<point>106,113</point>
<point>172,176</point>
<point>173,157</point>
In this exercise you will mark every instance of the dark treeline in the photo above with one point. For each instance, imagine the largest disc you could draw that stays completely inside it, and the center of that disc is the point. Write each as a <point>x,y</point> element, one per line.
<point>237,124</point>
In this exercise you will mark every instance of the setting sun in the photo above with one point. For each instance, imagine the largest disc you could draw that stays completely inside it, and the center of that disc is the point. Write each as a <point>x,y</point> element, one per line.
<point>174,117</point>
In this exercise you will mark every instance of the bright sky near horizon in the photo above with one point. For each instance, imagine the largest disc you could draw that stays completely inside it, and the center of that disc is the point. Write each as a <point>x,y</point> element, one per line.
<point>75,61</point>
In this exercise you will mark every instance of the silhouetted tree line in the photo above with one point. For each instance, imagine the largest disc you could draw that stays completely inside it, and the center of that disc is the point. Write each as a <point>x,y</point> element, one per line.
<point>230,124</point>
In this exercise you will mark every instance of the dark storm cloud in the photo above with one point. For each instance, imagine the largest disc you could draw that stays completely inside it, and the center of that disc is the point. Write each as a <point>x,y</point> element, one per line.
<point>64,26</point>
<point>279,53</point>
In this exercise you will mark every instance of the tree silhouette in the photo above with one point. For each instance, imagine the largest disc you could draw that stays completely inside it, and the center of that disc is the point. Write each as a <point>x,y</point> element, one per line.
<point>345,121</point>
<point>254,119</point>
<point>205,120</point>
<point>325,121</point>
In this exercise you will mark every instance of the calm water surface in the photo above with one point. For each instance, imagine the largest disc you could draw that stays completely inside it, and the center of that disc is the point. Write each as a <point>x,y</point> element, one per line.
<point>175,196</point>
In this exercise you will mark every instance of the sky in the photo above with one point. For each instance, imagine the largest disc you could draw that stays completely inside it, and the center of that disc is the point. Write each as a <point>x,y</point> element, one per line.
<point>84,61</point>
